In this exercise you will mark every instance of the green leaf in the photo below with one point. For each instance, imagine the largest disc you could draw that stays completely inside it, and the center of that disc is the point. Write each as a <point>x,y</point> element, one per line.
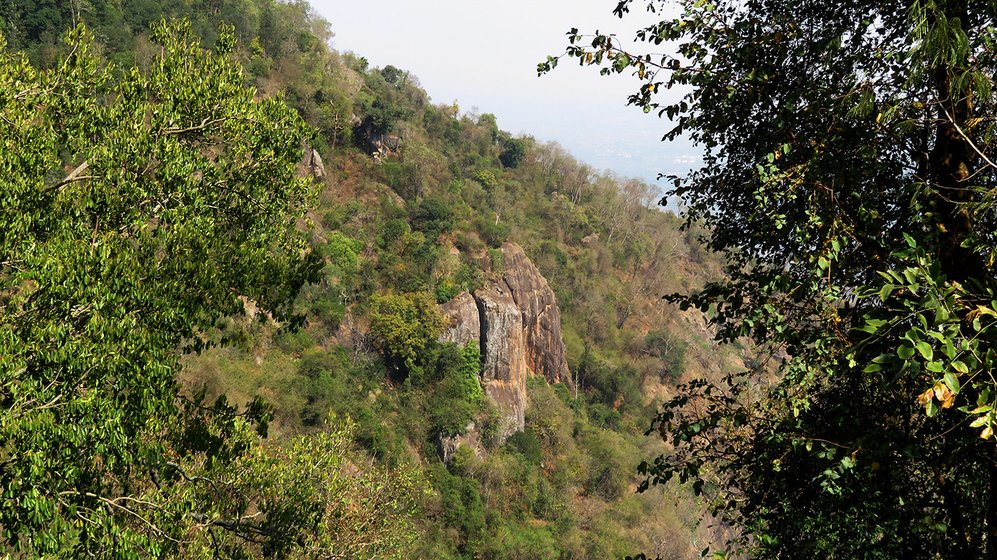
<point>885,291</point>
<point>872,368</point>
<point>952,382</point>
<point>924,349</point>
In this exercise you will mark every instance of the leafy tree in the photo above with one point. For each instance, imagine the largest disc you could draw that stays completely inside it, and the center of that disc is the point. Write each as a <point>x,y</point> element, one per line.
<point>136,213</point>
<point>513,152</point>
<point>405,326</point>
<point>459,396</point>
<point>319,497</point>
<point>848,179</point>
<point>393,75</point>
<point>433,216</point>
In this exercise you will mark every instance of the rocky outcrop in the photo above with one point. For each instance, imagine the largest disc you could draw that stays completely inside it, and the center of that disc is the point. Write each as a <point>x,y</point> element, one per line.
<point>503,356</point>
<point>315,165</point>
<point>461,314</point>
<point>311,165</point>
<point>545,352</point>
<point>516,322</point>
<point>470,438</point>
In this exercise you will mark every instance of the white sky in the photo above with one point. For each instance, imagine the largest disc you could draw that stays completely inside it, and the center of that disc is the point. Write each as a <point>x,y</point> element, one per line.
<point>484,54</point>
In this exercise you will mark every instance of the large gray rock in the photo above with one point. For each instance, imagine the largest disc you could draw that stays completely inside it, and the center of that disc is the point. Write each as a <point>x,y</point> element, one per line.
<point>517,325</point>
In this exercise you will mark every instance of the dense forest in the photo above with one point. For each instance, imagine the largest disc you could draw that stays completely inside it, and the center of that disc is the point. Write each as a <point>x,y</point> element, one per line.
<point>259,298</point>
<point>292,394</point>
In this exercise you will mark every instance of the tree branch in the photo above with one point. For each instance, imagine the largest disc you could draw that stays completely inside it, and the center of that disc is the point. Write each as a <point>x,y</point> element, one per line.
<point>74,175</point>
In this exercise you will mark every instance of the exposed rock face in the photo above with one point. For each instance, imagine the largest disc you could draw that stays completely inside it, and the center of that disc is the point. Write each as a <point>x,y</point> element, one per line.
<point>545,352</point>
<point>470,438</point>
<point>311,164</point>
<point>517,324</point>
<point>463,324</point>
<point>503,355</point>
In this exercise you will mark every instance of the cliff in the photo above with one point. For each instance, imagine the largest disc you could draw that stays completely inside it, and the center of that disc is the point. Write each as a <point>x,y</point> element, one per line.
<point>516,322</point>
<point>545,352</point>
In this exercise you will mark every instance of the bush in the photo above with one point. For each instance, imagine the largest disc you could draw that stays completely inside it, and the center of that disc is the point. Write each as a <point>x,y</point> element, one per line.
<point>662,344</point>
<point>446,290</point>
<point>433,216</point>
<point>316,362</point>
<point>493,233</point>
<point>372,435</point>
<point>487,178</point>
<point>513,152</point>
<point>294,341</point>
<point>459,397</point>
<point>526,444</point>
<point>405,326</point>
<point>460,503</point>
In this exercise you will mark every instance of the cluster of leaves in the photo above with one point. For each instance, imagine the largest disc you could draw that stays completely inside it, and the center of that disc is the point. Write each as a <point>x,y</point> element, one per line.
<point>138,212</point>
<point>848,181</point>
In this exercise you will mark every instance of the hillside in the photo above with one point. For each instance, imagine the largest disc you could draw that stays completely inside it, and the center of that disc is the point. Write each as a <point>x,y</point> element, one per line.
<point>420,205</point>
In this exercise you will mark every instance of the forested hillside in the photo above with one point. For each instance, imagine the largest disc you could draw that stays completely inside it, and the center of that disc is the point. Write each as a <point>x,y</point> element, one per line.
<point>413,203</point>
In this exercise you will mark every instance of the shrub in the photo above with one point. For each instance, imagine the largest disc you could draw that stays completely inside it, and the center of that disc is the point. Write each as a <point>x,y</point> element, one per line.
<point>405,326</point>
<point>493,233</point>
<point>459,397</point>
<point>671,350</point>
<point>433,216</point>
<point>513,152</point>
<point>526,444</point>
<point>487,178</point>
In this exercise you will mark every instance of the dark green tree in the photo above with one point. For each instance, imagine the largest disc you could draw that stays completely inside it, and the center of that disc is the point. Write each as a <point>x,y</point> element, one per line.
<point>849,180</point>
<point>513,152</point>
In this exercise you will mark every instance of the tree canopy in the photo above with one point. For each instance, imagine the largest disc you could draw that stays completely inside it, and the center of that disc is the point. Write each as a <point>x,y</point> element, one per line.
<point>138,210</point>
<point>848,177</point>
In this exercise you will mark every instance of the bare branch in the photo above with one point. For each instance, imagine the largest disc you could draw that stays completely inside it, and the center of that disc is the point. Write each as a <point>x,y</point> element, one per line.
<point>74,175</point>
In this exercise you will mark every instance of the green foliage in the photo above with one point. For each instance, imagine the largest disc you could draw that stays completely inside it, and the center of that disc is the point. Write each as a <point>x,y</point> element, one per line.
<point>405,326</point>
<point>848,181</point>
<point>180,198</point>
<point>433,216</point>
<point>325,301</point>
<point>670,349</point>
<point>526,443</point>
<point>461,504</point>
<point>368,243</point>
<point>458,397</point>
<point>513,152</point>
<point>493,232</point>
<point>311,498</point>
<point>487,178</point>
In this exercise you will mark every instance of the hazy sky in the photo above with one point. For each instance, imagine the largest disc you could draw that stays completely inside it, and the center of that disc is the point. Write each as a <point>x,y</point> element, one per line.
<point>484,55</point>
